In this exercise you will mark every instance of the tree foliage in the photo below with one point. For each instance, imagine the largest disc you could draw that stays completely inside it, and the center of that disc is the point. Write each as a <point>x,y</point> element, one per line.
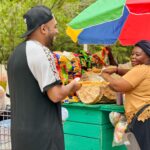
<point>12,25</point>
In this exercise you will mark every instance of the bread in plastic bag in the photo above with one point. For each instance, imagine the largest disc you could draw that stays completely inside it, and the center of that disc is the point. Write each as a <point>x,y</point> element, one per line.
<point>114,117</point>
<point>119,131</point>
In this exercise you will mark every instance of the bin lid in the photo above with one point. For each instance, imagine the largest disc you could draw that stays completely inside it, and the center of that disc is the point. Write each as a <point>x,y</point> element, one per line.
<point>103,107</point>
<point>112,107</point>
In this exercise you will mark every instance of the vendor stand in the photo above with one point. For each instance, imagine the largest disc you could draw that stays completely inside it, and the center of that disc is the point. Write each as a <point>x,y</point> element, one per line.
<point>88,127</point>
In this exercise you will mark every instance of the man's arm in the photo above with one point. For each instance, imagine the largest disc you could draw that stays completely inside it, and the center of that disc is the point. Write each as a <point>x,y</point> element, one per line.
<point>59,92</point>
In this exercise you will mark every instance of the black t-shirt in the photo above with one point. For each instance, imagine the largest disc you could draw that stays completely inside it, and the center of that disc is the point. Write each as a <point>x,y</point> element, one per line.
<point>36,121</point>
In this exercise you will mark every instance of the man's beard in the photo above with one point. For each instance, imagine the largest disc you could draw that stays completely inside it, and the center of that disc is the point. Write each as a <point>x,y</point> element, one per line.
<point>49,42</point>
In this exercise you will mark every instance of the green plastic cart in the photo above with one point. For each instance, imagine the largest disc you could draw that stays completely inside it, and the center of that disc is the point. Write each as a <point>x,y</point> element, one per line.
<point>88,127</point>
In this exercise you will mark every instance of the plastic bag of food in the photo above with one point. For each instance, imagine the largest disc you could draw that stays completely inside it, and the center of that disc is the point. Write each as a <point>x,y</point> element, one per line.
<point>114,117</point>
<point>119,132</point>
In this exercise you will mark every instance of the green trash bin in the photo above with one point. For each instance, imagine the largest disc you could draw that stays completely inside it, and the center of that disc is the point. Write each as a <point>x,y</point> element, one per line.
<point>88,127</point>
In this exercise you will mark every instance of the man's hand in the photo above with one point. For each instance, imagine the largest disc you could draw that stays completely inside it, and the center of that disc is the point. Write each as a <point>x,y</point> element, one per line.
<point>59,92</point>
<point>76,84</point>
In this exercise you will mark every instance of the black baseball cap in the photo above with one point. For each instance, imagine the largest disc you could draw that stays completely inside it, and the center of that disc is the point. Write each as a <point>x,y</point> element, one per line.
<point>35,17</point>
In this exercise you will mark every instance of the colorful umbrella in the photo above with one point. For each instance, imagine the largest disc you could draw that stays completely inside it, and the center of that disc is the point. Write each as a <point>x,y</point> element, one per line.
<point>106,21</point>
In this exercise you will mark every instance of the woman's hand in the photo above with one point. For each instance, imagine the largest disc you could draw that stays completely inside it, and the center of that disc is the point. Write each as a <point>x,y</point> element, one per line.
<point>110,70</point>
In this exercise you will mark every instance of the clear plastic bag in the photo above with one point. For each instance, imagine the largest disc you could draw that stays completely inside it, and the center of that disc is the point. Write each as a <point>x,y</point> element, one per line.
<point>119,132</point>
<point>114,117</point>
<point>119,122</point>
<point>64,113</point>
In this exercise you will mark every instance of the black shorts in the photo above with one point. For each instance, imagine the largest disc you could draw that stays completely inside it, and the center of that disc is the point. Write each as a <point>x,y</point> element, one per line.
<point>141,131</point>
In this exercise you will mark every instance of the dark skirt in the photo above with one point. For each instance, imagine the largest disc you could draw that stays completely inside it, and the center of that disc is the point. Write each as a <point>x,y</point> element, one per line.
<point>141,131</point>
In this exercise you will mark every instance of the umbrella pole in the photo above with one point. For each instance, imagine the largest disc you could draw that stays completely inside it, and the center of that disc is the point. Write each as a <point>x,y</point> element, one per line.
<point>85,47</point>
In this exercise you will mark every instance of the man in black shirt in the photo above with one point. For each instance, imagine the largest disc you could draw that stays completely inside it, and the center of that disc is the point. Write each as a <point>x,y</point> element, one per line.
<point>35,87</point>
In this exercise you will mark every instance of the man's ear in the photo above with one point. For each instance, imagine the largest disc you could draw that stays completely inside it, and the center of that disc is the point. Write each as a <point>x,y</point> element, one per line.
<point>43,29</point>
